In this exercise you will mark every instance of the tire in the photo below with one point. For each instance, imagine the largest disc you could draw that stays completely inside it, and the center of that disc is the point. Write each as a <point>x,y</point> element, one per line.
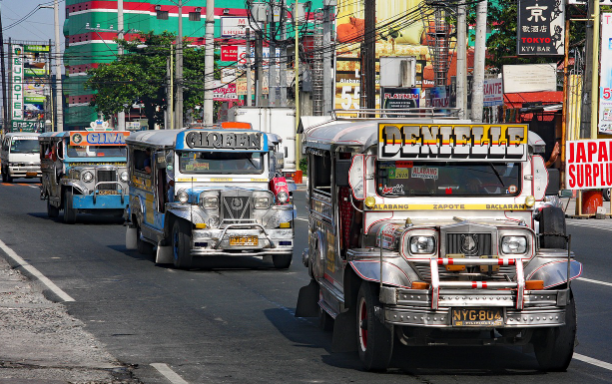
<point>282,261</point>
<point>181,244</point>
<point>70,214</point>
<point>606,194</point>
<point>52,211</point>
<point>9,179</point>
<point>552,220</point>
<point>143,247</point>
<point>554,347</point>
<point>4,180</point>
<point>374,339</point>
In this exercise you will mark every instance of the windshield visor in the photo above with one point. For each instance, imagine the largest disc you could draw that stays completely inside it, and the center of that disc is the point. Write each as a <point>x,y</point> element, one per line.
<point>221,162</point>
<point>90,151</point>
<point>24,146</point>
<point>405,178</point>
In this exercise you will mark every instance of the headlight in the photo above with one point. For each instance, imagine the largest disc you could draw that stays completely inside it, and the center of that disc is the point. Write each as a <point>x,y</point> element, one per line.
<point>514,244</point>
<point>282,197</point>
<point>124,176</point>
<point>210,202</point>
<point>87,177</point>
<point>262,202</point>
<point>422,244</point>
<point>182,196</point>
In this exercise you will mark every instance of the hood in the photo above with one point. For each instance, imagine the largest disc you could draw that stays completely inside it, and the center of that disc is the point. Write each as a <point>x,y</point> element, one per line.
<point>28,158</point>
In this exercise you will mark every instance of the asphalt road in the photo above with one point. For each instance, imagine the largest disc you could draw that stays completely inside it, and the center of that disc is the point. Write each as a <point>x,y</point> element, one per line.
<point>235,324</point>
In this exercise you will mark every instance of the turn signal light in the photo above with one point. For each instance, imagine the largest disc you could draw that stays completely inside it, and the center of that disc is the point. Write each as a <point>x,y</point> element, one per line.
<point>200,226</point>
<point>419,285</point>
<point>534,285</point>
<point>370,202</point>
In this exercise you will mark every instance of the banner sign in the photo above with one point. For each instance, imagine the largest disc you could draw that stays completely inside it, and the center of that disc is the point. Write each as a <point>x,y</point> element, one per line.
<point>224,92</point>
<point>17,82</point>
<point>235,26</point>
<point>482,142</point>
<point>493,92</point>
<point>540,27</point>
<point>229,53</point>
<point>605,81</point>
<point>98,138</point>
<point>588,164</point>
<point>530,78</point>
<point>27,126</point>
<point>401,98</point>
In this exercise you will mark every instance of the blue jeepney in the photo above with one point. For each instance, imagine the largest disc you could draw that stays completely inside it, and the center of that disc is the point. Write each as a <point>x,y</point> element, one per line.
<point>84,172</point>
<point>208,192</point>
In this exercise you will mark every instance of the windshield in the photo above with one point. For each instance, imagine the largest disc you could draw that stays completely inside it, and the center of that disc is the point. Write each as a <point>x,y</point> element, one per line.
<point>87,151</point>
<point>24,146</point>
<point>221,162</point>
<point>405,178</point>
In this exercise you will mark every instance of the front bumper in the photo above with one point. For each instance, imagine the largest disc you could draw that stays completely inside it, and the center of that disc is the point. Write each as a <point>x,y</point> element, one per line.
<point>413,307</point>
<point>100,201</point>
<point>216,242</point>
<point>24,171</point>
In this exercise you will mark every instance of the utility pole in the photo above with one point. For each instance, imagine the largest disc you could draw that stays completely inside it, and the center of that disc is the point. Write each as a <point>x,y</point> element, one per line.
<point>479,62</point>
<point>121,114</point>
<point>249,80</point>
<point>461,62</point>
<point>594,76</point>
<point>296,28</point>
<point>170,92</point>
<point>272,71</point>
<point>370,54</point>
<point>59,115</point>
<point>283,55</point>
<point>585,111</point>
<point>179,67</point>
<point>328,88</point>
<point>3,70</point>
<point>209,63</point>
<point>258,69</point>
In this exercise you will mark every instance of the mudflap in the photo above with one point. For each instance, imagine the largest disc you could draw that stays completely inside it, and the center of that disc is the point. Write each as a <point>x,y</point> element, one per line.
<point>164,255</point>
<point>308,301</point>
<point>130,238</point>
<point>345,337</point>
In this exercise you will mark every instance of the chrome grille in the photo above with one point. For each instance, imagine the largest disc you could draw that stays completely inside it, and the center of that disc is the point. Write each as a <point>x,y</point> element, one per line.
<point>105,175</point>
<point>236,208</point>
<point>455,243</point>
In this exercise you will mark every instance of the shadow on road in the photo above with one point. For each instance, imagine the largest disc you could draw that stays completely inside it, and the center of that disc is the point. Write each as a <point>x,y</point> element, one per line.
<point>82,219</point>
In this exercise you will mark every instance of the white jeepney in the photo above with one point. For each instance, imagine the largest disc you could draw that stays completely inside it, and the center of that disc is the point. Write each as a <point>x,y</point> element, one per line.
<point>435,232</point>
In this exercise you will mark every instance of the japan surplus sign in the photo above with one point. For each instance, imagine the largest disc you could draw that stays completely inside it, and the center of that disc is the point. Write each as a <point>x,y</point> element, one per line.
<point>588,164</point>
<point>540,27</point>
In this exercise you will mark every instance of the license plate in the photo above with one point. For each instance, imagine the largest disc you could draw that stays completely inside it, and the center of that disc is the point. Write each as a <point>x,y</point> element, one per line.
<point>477,317</point>
<point>31,174</point>
<point>243,241</point>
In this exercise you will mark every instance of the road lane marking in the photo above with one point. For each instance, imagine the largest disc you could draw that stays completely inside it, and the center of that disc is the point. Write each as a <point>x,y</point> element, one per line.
<point>595,281</point>
<point>8,184</point>
<point>590,360</point>
<point>168,373</point>
<point>35,272</point>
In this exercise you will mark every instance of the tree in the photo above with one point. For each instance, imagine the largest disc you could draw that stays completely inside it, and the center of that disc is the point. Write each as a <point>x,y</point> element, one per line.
<point>140,75</point>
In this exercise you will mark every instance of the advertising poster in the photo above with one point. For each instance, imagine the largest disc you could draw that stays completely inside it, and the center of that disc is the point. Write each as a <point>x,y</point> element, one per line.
<point>404,35</point>
<point>540,27</point>
<point>605,82</point>
<point>588,164</point>
<point>493,92</point>
<point>400,98</point>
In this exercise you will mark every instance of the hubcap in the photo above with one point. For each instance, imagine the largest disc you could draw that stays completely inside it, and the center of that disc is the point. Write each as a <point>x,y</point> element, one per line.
<point>362,326</point>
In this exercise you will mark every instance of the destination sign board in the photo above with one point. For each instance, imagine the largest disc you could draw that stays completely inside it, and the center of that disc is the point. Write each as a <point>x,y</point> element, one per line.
<point>98,138</point>
<point>431,142</point>
<point>220,140</point>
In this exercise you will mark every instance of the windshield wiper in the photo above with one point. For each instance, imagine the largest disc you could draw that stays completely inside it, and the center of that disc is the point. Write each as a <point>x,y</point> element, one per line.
<point>498,175</point>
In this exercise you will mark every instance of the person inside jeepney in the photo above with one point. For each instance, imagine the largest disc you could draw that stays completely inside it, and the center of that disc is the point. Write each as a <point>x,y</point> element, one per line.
<point>147,161</point>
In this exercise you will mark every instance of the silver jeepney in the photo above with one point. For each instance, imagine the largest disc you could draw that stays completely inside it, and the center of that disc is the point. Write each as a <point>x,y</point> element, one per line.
<point>204,200</point>
<point>435,232</point>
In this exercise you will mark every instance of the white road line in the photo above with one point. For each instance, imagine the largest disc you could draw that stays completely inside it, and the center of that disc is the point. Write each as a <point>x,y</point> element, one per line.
<point>590,360</point>
<point>33,186</point>
<point>35,272</point>
<point>595,281</point>
<point>165,370</point>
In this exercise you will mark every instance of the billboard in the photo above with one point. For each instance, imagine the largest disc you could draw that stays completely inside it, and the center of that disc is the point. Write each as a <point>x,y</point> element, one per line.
<point>605,80</point>
<point>540,28</point>
<point>29,85</point>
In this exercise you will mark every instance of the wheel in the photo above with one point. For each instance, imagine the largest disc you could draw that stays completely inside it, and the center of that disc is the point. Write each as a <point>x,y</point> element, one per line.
<point>52,211</point>
<point>554,347</point>
<point>181,244</point>
<point>282,261</point>
<point>143,247</point>
<point>70,214</point>
<point>606,194</point>
<point>552,220</point>
<point>374,339</point>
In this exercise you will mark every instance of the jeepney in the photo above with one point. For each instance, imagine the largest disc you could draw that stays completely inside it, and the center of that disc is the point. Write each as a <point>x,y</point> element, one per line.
<point>19,156</point>
<point>84,172</point>
<point>435,232</point>
<point>208,192</point>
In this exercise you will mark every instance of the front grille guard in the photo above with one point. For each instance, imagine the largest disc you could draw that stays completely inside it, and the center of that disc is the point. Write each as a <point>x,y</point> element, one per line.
<point>220,239</point>
<point>518,284</point>
<point>119,189</point>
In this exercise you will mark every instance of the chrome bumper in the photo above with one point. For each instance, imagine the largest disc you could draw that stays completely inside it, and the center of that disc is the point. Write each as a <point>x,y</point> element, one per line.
<point>216,242</point>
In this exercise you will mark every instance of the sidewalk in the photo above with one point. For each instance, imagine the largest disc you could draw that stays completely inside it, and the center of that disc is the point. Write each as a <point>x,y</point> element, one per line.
<point>42,344</point>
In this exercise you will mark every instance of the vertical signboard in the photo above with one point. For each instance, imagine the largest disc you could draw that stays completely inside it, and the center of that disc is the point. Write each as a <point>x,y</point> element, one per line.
<point>605,80</point>
<point>16,82</point>
<point>540,27</point>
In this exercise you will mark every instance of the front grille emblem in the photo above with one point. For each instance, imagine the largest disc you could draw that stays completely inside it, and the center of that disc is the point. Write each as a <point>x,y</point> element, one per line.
<point>469,243</point>
<point>237,204</point>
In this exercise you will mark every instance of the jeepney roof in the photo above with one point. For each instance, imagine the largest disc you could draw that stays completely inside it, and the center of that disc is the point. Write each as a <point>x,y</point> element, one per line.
<point>167,138</point>
<point>23,135</point>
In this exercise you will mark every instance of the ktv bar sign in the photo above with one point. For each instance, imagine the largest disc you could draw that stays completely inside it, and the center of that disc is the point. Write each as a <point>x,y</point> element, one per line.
<point>588,164</point>
<point>481,142</point>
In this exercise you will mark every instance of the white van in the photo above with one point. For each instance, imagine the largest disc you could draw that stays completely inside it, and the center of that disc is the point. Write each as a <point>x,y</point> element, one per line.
<point>20,156</point>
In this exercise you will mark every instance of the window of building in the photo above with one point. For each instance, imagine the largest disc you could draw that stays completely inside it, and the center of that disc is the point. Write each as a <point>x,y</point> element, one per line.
<point>195,16</point>
<point>162,15</point>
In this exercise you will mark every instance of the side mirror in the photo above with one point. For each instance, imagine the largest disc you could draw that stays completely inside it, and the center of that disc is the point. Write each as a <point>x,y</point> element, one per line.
<point>356,176</point>
<point>540,178</point>
<point>60,150</point>
<point>553,182</point>
<point>280,160</point>
<point>341,176</point>
<point>161,160</point>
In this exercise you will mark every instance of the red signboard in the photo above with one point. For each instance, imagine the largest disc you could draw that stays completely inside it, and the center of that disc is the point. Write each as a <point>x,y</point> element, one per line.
<point>588,164</point>
<point>229,53</point>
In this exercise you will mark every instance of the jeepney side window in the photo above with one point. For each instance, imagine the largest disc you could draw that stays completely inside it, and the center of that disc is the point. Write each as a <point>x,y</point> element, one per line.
<point>321,173</point>
<point>140,161</point>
